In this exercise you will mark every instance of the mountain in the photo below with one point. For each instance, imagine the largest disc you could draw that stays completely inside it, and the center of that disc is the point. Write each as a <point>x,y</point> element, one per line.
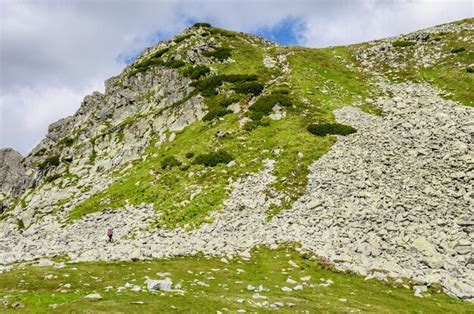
<point>218,142</point>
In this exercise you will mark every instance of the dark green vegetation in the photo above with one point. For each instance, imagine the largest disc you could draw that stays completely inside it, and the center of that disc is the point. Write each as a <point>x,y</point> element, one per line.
<point>212,159</point>
<point>221,53</point>
<point>322,129</point>
<point>457,50</point>
<point>227,283</point>
<point>215,113</point>
<point>170,162</point>
<point>207,86</point>
<point>201,24</point>
<point>251,87</point>
<point>196,72</point>
<point>67,141</point>
<point>174,64</point>
<point>52,161</point>
<point>264,105</point>
<point>403,43</point>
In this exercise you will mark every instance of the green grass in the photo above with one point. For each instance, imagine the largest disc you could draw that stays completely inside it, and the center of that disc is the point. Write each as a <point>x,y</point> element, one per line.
<point>448,73</point>
<point>226,284</point>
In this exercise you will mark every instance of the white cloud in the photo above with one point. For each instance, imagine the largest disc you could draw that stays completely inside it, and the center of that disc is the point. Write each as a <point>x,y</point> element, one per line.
<point>53,53</point>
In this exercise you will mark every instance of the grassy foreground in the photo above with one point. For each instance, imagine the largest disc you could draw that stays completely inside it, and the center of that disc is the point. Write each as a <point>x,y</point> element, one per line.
<point>210,285</point>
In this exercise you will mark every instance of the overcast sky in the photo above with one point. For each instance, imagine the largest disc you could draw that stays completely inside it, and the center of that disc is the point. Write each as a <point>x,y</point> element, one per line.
<point>53,53</point>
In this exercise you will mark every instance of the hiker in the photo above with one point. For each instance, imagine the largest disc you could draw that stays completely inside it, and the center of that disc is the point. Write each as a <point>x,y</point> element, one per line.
<point>109,234</point>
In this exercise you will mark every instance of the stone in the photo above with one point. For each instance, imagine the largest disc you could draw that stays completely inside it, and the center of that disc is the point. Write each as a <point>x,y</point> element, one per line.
<point>93,296</point>
<point>286,289</point>
<point>159,285</point>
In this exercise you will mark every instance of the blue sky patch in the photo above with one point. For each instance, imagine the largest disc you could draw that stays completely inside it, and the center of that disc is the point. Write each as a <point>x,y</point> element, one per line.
<point>286,32</point>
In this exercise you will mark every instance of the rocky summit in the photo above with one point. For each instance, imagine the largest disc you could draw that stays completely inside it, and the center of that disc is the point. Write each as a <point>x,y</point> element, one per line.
<point>217,143</point>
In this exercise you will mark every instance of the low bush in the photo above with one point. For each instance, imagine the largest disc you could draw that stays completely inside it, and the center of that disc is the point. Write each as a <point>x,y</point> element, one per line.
<point>283,91</point>
<point>52,178</point>
<point>189,155</point>
<point>323,129</point>
<point>213,159</point>
<point>403,43</point>
<point>170,162</point>
<point>50,161</point>
<point>264,105</point>
<point>153,60</point>
<point>252,125</point>
<point>220,53</point>
<point>215,112</point>
<point>174,64</point>
<point>181,38</point>
<point>201,24</point>
<point>222,32</point>
<point>457,50</point>
<point>196,72</point>
<point>67,141</point>
<point>207,86</point>
<point>251,87</point>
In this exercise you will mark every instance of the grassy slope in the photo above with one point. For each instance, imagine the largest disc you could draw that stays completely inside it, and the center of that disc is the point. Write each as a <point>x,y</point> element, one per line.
<point>448,73</point>
<point>169,190</point>
<point>269,268</point>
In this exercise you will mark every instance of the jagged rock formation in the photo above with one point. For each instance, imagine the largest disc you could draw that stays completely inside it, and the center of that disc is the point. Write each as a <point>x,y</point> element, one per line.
<point>12,173</point>
<point>393,199</point>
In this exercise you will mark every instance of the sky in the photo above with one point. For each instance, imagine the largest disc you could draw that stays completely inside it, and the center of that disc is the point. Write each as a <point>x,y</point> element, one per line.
<point>55,52</point>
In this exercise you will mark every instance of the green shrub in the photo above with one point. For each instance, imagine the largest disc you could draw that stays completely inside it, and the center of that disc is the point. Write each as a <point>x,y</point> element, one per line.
<point>207,86</point>
<point>323,129</point>
<point>196,72</point>
<point>153,60</point>
<point>40,152</point>
<point>170,162</point>
<point>283,91</point>
<point>20,224</point>
<point>52,178</point>
<point>403,43</point>
<point>459,49</point>
<point>252,125</point>
<point>181,38</point>
<point>220,53</point>
<point>50,161</point>
<point>234,78</point>
<point>214,113</point>
<point>213,159</point>
<point>251,87</point>
<point>197,25</point>
<point>159,53</point>
<point>470,70</point>
<point>174,64</point>
<point>264,105</point>
<point>67,141</point>
<point>189,155</point>
<point>222,32</point>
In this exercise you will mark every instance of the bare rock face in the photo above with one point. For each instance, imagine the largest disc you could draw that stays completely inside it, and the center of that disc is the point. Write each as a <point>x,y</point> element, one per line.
<point>12,173</point>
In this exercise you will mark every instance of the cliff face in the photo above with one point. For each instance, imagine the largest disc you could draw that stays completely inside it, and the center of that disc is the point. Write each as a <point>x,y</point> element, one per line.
<point>13,175</point>
<point>217,141</point>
